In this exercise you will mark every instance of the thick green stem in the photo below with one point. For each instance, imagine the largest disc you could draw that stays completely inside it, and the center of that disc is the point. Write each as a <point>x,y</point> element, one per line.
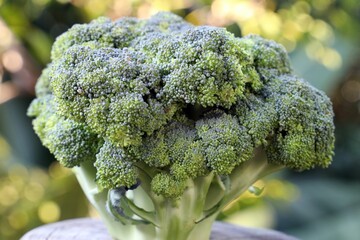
<point>179,219</point>
<point>188,217</point>
<point>175,219</point>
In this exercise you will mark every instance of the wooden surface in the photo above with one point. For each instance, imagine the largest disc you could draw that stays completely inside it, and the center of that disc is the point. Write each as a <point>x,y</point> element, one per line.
<point>93,229</point>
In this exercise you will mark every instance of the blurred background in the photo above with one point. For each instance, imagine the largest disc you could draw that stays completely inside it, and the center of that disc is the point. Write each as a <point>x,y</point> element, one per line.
<point>322,38</point>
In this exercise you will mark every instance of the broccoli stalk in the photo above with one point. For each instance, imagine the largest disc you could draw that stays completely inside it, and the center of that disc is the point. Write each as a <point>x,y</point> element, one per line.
<point>165,123</point>
<point>188,217</point>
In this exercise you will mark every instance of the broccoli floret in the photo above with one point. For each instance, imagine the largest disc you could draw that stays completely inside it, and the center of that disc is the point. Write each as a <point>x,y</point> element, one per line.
<point>183,117</point>
<point>270,58</point>
<point>71,142</point>
<point>43,87</point>
<point>224,141</point>
<point>304,134</point>
<point>167,185</point>
<point>114,168</point>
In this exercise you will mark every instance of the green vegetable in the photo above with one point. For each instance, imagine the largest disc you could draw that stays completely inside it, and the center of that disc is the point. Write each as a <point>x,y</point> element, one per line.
<point>166,123</point>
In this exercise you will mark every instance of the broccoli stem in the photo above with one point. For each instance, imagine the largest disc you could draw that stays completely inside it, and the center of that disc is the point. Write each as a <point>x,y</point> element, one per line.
<point>187,217</point>
<point>86,177</point>
<point>178,218</point>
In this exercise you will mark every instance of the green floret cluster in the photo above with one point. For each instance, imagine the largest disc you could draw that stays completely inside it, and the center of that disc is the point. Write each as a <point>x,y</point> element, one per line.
<point>71,142</point>
<point>162,104</point>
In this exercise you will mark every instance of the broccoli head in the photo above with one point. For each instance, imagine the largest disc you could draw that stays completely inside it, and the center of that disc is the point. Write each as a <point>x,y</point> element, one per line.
<point>178,110</point>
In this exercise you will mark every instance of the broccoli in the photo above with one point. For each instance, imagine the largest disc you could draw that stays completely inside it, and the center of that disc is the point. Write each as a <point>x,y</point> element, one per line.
<point>165,123</point>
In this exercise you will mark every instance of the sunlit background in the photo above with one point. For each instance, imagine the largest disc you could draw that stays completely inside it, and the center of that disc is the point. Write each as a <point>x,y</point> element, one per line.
<point>322,38</point>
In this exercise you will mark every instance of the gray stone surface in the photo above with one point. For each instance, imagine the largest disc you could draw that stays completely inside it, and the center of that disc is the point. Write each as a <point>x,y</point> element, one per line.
<point>93,229</point>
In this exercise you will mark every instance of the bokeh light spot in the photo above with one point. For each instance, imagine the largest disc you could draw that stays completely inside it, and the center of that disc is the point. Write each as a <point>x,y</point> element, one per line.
<point>314,50</point>
<point>40,176</point>
<point>251,27</point>
<point>220,9</point>
<point>321,5</point>
<point>339,18</point>
<point>18,219</point>
<point>144,10</point>
<point>351,91</point>
<point>161,5</point>
<point>49,212</point>
<point>321,31</point>
<point>301,7</point>
<point>270,24</point>
<point>331,59</point>
<point>18,170</point>
<point>121,8</point>
<point>291,30</point>
<point>5,36</point>
<point>8,195</point>
<point>305,22</point>
<point>34,191</point>
<point>281,190</point>
<point>12,60</point>
<point>58,171</point>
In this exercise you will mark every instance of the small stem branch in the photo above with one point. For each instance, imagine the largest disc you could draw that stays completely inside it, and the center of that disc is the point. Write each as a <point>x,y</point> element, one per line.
<point>146,215</point>
<point>250,171</point>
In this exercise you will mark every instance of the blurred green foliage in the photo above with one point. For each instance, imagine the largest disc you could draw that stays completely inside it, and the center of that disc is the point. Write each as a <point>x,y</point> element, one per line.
<point>32,197</point>
<point>322,38</point>
<point>38,22</point>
